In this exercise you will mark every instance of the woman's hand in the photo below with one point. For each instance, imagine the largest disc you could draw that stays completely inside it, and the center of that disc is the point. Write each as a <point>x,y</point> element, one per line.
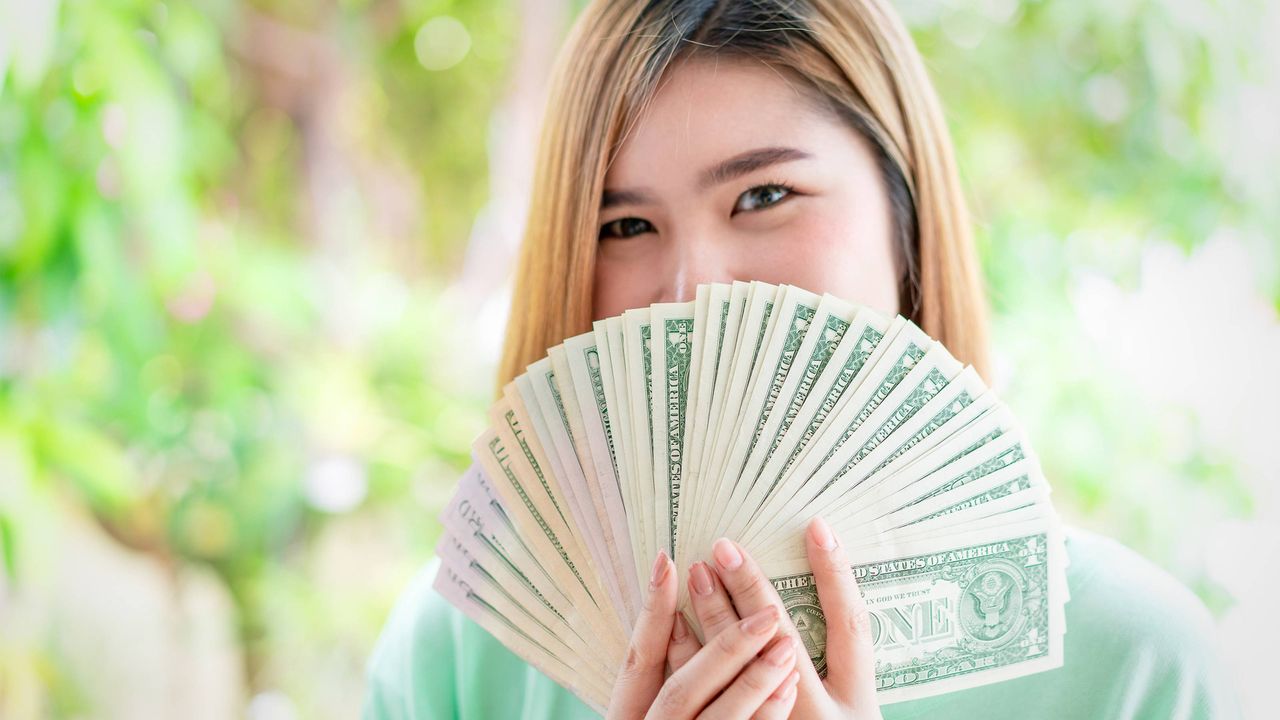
<point>735,587</point>
<point>729,678</point>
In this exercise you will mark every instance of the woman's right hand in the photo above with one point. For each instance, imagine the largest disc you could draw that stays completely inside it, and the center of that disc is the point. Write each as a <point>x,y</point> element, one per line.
<point>746,670</point>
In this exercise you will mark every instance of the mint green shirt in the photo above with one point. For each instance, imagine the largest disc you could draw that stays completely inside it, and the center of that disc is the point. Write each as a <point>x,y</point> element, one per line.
<point>1138,645</point>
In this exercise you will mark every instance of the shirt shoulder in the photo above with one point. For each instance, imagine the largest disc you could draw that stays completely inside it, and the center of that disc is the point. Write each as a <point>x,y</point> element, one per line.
<point>431,661</point>
<point>1121,594</point>
<point>410,672</point>
<point>1141,636</point>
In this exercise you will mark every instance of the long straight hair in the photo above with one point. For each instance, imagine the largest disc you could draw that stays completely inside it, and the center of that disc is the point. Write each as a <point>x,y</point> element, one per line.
<point>855,56</point>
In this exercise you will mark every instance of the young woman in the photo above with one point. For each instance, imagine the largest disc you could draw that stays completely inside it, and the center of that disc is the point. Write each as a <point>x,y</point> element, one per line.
<point>790,141</point>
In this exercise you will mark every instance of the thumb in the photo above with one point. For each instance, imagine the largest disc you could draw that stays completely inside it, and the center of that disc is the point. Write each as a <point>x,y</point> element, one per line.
<point>644,668</point>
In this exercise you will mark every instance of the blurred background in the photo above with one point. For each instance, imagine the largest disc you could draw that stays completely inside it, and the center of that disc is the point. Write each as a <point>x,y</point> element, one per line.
<point>241,241</point>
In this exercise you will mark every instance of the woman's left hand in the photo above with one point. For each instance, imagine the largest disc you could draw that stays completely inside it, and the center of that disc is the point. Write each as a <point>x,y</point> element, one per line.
<point>734,587</point>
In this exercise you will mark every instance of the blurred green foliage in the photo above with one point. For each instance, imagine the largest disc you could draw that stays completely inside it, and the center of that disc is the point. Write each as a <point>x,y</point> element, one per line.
<point>195,347</point>
<point>167,347</point>
<point>1089,133</point>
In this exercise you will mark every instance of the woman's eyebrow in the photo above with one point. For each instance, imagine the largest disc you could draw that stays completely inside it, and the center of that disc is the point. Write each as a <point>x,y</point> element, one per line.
<point>746,162</point>
<point>722,172</point>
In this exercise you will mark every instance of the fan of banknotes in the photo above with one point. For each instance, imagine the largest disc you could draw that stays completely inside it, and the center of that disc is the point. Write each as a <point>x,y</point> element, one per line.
<point>745,413</point>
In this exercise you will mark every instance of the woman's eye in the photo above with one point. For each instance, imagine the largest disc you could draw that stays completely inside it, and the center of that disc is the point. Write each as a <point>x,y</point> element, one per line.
<point>625,228</point>
<point>762,196</point>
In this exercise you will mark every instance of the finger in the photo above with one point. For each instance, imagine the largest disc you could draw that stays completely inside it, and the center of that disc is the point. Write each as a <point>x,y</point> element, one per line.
<point>710,602</point>
<point>750,591</point>
<point>684,644</point>
<point>748,587</point>
<point>850,667</point>
<point>643,669</point>
<point>764,676</point>
<point>714,667</point>
<point>778,705</point>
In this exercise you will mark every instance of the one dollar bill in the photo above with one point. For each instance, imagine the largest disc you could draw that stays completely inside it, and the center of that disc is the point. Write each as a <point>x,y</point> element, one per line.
<point>944,619</point>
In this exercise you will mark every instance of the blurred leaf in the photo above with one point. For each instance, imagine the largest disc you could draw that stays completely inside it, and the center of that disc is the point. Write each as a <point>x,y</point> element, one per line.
<point>94,464</point>
<point>9,548</point>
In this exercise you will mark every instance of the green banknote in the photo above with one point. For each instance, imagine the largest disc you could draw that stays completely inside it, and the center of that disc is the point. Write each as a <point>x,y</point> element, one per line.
<point>945,619</point>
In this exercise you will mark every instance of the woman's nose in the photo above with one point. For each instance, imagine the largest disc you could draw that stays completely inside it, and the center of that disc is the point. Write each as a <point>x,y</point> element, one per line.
<point>696,258</point>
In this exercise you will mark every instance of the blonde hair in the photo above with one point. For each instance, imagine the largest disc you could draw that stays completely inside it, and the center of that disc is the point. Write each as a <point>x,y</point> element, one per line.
<point>855,56</point>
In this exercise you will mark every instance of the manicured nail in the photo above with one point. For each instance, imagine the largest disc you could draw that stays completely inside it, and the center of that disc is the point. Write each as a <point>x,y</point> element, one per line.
<point>762,622</point>
<point>679,630</point>
<point>726,554</point>
<point>700,579</point>
<point>822,535</point>
<point>660,569</point>
<point>782,651</point>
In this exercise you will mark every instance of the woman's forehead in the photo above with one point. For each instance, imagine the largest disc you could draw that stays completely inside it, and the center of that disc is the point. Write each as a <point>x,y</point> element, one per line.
<point>709,108</point>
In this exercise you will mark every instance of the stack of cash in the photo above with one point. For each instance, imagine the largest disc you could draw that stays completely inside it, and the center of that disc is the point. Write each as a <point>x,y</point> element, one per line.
<point>745,413</point>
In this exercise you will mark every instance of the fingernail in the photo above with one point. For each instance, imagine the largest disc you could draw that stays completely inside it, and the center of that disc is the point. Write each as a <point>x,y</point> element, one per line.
<point>700,579</point>
<point>761,622</point>
<point>679,631</point>
<point>782,651</point>
<point>726,554</point>
<point>822,535</point>
<point>660,568</point>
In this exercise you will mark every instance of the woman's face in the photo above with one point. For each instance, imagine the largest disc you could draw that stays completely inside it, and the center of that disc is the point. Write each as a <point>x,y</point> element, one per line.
<point>732,174</point>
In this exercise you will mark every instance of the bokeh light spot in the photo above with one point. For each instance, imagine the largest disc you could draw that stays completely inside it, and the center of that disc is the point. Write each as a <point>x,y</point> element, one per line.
<point>441,43</point>
<point>335,484</point>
